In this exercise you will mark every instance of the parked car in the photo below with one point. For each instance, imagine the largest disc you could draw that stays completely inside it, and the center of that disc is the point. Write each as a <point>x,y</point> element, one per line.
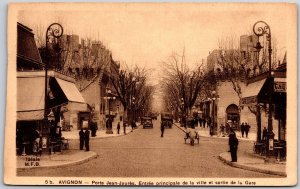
<point>146,122</point>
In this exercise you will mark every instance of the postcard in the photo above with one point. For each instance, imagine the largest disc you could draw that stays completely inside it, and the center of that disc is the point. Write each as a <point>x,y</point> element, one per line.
<point>151,94</point>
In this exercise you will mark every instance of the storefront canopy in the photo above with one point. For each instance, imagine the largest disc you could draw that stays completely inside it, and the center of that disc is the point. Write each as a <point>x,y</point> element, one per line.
<point>30,98</point>
<point>70,90</point>
<point>250,95</point>
<point>31,94</point>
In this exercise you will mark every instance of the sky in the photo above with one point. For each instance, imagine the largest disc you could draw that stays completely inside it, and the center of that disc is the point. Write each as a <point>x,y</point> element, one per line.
<point>147,33</point>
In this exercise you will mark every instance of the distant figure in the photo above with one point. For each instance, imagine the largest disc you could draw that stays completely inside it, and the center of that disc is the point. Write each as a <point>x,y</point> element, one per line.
<point>233,144</point>
<point>204,122</point>
<point>162,129</point>
<point>264,134</point>
<point>222,129</point>
<point>247,128</point>
<point>243,129</point>
<point>124,127</point>
<point>87,140</point>
<point>118,127</point>
<point>81,139</point>
<point>133,125</point>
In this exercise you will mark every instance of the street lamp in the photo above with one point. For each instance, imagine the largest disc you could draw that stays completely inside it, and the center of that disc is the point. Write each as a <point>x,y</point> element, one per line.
<point>213,126</point>
<point>109,97</point>
<point>54,31</point>
<point>261,28</point>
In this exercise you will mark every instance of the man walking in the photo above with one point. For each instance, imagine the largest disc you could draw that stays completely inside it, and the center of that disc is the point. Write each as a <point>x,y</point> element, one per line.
<point>81,139</point>
<point>243,129</point>
<point>162,129</point>
<point>233,144</point>
<point>87,140</point>
<point>247,127</point>
<point>118,127</point>
<point>124,127</point>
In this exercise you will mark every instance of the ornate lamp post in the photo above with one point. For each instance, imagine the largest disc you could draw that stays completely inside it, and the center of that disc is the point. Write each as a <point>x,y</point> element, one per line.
<point>109,97</point>
<point>261,28</point>
<point>54,31</point>
<point>213,126</point>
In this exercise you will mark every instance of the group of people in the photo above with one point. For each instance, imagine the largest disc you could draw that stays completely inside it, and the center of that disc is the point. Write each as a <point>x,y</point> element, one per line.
<point>245,127</point>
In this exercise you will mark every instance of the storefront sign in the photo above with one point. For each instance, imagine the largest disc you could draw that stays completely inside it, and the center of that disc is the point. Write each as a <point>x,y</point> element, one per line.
<point>279,86</point>
<point>248,100</point>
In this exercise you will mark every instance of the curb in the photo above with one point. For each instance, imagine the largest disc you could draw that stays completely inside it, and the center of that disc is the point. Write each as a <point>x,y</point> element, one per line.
<point>93,156</point>
<point>240,166</point>
<point>96,138</point>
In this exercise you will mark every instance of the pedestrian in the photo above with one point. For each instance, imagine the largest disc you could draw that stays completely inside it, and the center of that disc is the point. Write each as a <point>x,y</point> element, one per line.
<point>87,140</point>
<point>124,127</point>
<point>247,128</point>
<point>132,125</point>
<point>243,129</point>
<point>204,122</point>
<point>118,127</point>
<point>162,129</point>
<point>96,128</point>
<point>264,136</point>
<point>92,128</point>
<point>208,121</point>
<point>81,139</point>
<point>233,144</point>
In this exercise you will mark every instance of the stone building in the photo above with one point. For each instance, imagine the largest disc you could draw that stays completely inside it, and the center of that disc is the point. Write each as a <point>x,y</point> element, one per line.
<point>226,99</point>
<point>91,63</point>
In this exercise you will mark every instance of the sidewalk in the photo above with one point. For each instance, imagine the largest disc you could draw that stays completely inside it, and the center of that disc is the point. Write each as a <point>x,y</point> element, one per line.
<point>69,157</point>
<point>254,163</point>
<point>59,159</point>
<point>246,159</point>
<point>74,134</point>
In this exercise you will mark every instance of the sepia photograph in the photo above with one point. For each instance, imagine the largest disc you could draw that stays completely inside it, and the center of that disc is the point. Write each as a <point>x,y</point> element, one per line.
<point>151,94</point>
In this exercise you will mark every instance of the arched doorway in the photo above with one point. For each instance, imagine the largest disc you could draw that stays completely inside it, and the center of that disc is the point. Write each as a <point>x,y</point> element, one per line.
<point>232,112</point>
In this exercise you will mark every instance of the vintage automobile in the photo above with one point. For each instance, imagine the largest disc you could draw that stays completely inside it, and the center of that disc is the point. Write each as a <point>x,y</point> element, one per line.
<point>167,120</point>
<point>146,122</point>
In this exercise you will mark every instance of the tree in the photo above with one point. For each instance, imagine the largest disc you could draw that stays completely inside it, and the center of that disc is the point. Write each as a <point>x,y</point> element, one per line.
<point>237,65</point>
<point>181,85</point>
<point>132,89</point>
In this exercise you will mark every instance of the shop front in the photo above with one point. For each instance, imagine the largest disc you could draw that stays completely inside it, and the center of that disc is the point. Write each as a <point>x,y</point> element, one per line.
<point>259,93</point>
<point>33,128</point>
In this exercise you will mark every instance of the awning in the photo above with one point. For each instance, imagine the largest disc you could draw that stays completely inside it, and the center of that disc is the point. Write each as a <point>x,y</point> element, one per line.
<point>249,96</point>
<point>30,98</point>
<point>70,90</point>
<point>31,95</point>
<point>280,85</point>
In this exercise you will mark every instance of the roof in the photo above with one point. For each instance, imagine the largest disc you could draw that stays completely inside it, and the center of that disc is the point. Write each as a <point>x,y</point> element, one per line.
<point>26,46</point>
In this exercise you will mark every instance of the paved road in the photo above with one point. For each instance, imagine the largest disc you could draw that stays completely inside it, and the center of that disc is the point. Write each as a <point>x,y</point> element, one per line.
<point>144,153</point>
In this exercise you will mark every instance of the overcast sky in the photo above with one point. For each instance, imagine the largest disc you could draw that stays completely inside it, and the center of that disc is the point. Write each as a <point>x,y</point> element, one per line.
<point>146,34</point>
